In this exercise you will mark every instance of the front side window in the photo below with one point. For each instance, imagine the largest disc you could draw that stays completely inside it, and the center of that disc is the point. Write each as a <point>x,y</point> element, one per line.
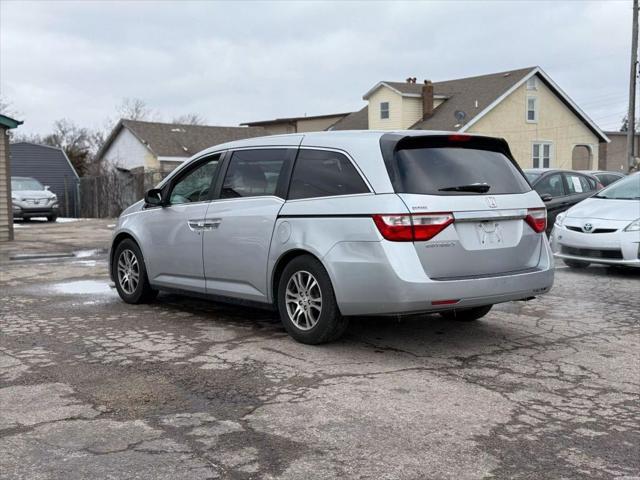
<point>195,185</point>
<point>551,185</point>
<point>541,155</point>
<point>253,173</point>
<point>532,109</point>
<point>321,173</point>
<point>384,110</point>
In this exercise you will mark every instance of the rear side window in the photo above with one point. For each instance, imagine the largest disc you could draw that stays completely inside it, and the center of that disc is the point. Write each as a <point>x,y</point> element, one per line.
<point>579,183</point>
<point>321,173</point>
<point>607,179</point>
<point>453,170</point>
<point>253,173</point>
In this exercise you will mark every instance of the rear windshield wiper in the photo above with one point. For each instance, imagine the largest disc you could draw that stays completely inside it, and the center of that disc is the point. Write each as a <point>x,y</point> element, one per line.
<point>474,187</point>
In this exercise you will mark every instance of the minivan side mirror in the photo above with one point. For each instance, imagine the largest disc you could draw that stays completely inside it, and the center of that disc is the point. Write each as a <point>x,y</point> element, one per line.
<point>46,187</point>
<point>546,197</point>
<point>154,198</point>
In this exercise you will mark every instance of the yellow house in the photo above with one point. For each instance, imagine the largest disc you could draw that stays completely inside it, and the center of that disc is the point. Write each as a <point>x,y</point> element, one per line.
<point>543,126</point>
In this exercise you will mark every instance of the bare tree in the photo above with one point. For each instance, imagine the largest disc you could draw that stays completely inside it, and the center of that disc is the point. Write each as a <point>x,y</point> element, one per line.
<point>134,109</point>
<point>625,124</point>
<point>189,119</point>
<point>6,107</point>
<point>74,140</point>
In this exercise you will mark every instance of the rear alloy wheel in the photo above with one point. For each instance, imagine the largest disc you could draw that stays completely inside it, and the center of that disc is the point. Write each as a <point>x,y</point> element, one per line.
<point>576,263</point>
<point>466,314</point>
<point>307,304</point>
<point>131,274</point>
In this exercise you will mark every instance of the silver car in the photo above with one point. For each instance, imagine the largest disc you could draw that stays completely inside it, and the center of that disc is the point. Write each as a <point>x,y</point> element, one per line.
<point>328,225</point>
<point>31,199</point>
<point>603,229</point>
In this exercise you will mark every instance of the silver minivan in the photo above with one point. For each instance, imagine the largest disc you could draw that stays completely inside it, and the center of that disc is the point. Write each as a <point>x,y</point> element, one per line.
<point>324,226</point>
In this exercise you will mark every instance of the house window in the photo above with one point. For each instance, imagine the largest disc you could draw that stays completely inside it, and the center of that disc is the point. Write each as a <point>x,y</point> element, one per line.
<point>532,109</point>
<point>532,83</point>
<point>384,110</point>
<point>541,154</point>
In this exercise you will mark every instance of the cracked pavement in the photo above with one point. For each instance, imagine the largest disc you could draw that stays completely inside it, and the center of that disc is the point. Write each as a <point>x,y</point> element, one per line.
<point>182,388</point>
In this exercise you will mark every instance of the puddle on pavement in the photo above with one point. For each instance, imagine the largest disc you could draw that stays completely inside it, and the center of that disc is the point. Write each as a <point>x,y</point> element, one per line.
<point>88,253</point>
<point>83,287</point>
<point>39,256</point>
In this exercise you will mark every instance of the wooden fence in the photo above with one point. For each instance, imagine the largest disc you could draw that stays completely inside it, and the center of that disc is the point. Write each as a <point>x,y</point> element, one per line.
<point>106,196</point>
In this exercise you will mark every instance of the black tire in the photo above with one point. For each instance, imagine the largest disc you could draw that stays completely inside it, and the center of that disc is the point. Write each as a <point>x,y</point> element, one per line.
<point>330,324</point>
<point>467,314</point>
<point>52,218</point>
<point>142,293</point>
<point>576,263</point>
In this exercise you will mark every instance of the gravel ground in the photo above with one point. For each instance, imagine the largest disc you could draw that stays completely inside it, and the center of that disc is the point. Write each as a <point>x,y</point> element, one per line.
<point>182,388</point>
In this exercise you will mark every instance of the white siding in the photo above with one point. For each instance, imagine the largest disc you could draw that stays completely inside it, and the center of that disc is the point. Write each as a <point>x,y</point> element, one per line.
<point>127,152</point>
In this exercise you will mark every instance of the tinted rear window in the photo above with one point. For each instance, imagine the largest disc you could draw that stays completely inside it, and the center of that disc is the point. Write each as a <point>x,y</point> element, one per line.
<point>429,170</point>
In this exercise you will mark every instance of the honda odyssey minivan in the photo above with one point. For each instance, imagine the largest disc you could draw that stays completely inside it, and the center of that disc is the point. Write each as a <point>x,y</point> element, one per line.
<point>324,226</point>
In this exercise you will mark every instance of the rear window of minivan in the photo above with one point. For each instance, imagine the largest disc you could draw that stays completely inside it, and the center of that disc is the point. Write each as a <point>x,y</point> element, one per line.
<point>439,166</point>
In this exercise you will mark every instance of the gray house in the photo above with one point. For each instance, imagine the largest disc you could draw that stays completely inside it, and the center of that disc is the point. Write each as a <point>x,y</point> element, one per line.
<point>50,166</point>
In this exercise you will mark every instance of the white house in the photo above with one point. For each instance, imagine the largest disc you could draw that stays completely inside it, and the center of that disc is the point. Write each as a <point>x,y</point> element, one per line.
<point>151,146</point>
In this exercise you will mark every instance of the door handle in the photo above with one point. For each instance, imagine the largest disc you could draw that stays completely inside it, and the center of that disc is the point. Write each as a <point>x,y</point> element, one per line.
<point>212,223</point>
<point>196,225</point>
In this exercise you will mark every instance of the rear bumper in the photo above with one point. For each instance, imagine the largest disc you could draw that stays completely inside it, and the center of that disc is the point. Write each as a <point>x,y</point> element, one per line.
<point>623,245</point>
<point>386,278</point>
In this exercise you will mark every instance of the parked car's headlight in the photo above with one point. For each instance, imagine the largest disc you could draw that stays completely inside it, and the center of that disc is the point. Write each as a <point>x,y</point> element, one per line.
<point>560,219</point>
<point>633,226</point>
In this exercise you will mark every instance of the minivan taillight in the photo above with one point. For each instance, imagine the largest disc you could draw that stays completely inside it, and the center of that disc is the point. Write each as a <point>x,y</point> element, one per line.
<point>409,228</point>
<point>537,219</point>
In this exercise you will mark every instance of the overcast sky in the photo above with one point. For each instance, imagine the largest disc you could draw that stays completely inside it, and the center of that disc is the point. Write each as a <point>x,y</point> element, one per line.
<point>232,62</point>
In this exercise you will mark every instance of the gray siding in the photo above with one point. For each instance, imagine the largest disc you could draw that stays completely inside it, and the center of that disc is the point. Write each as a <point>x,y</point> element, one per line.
<point>6,211</point>
<point>49,166</point>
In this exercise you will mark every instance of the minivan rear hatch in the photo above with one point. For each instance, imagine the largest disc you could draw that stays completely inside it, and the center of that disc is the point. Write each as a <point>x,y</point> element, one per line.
<point>472,211</point>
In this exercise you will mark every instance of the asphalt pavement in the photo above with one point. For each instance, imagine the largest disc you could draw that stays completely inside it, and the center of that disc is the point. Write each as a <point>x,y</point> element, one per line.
<point>182,388</point>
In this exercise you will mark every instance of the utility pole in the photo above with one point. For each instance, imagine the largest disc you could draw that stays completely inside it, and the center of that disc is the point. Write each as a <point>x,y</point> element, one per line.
<point>631,116</point>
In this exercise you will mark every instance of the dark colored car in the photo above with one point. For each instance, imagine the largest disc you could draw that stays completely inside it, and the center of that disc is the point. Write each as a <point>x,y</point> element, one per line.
<point>604,177</point>
<point>561,189</point>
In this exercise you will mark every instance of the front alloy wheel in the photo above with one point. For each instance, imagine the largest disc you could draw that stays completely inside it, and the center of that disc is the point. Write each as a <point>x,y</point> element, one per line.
<point>130,273</point>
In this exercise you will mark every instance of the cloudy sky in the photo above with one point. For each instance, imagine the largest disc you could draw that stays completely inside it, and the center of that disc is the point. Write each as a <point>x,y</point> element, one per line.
<point>240,61</point>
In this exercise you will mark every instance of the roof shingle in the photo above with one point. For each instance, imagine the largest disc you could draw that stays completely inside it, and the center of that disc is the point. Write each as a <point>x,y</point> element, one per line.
<point>176,140</point>
<point>463,93</point>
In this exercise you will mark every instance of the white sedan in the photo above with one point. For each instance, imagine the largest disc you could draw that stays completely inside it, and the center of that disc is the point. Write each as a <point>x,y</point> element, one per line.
<point>602,229</point>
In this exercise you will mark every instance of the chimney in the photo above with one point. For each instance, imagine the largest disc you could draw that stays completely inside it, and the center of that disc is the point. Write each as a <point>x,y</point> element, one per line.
<point>427,99</point>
